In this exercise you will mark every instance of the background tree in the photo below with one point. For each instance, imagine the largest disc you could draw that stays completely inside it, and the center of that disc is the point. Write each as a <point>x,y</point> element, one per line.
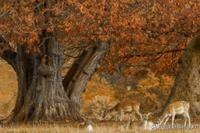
<point>150,34</point>
<point>186,86</point>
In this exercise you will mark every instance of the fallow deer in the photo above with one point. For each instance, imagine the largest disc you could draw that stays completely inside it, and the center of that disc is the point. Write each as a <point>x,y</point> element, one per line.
<point>176,108</point>
<point>128,106</point>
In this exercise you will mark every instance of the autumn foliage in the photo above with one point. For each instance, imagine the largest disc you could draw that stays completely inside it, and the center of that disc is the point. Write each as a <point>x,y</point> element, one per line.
<point>143,33</point>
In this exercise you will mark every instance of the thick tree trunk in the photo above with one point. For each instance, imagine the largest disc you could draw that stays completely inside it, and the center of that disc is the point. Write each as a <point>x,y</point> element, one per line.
<point>41,95</point>
<point>82,70</point>
<point>187,82</point>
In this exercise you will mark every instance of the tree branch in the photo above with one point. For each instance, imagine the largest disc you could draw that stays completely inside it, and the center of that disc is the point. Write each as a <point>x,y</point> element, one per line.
<point>5,14</point>
<point>82,70</point>
<point>154,53</point>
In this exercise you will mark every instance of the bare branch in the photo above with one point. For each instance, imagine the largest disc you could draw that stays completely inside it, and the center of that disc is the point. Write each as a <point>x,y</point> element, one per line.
<point>5,14</point>
<point>154,53</point>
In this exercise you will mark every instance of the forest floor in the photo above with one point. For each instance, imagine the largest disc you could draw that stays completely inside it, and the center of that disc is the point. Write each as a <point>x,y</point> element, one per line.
<point>8,91</point>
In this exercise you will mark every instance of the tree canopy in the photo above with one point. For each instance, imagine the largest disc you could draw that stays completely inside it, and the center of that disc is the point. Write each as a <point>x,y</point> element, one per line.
<point>143,33</point>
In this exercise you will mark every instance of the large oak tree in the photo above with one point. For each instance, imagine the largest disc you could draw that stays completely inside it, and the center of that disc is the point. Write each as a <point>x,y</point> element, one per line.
<point>35,38</point>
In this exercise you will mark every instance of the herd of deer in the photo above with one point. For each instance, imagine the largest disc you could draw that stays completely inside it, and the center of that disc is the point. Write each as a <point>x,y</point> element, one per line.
<point>175,108</point>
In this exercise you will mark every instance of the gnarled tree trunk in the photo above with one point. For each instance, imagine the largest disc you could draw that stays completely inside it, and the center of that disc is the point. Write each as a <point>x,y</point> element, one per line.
<point>81,71</point>
<point>187,82</point>
<point>42,93</point>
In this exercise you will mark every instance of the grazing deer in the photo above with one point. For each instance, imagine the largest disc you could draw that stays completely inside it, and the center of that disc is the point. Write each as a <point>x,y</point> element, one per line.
<point>128,106</point>
<point>147,125</point>
<point>176,108</point>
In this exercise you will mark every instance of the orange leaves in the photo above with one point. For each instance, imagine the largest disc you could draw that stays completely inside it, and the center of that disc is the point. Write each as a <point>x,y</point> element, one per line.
<point>138,37</point>
<point>33,38</point>
<point>133,26</point>
<point>104,38</point>
<point>68,26</point>
<point>71,1</point>
<point>137,21</point>
<point>163,40</point>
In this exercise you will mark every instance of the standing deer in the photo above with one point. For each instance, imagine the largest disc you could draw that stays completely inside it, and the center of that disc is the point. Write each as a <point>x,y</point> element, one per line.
<point>128,106</point>
<point>176,108</point>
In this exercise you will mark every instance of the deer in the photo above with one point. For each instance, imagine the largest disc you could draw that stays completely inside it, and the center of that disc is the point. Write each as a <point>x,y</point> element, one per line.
<point>176,108</point>
<point>128,106</point>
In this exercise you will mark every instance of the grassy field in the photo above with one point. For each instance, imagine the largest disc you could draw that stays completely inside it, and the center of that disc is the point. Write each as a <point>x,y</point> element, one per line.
<point>66,128</point>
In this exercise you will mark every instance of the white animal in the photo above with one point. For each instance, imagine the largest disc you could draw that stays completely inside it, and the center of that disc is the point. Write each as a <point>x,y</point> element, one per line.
<point>147,125</point>
<point>176,108</point>
<point>128,88</point>
<point>87,124</point>
<point>90,128</point>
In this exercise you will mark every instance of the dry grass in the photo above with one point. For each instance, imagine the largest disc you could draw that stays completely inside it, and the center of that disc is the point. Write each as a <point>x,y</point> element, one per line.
<point>114,128</point>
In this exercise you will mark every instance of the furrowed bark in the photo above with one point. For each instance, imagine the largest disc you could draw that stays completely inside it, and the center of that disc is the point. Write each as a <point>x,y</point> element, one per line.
<point>82,70</point>
<point>41,95</point>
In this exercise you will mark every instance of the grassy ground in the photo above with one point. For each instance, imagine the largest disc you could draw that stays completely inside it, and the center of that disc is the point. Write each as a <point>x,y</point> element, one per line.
<point>66,128</point>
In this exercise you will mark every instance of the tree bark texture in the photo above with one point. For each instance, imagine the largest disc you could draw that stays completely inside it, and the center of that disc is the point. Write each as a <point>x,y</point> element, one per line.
<point>41,95</point>
<point>82,70</point>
